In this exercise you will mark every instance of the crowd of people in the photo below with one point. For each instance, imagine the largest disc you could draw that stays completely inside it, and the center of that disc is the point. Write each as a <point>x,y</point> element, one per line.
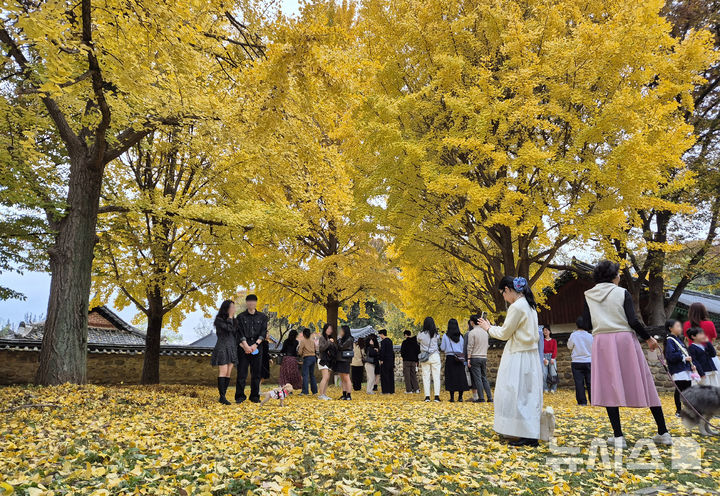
<point>608,365</point>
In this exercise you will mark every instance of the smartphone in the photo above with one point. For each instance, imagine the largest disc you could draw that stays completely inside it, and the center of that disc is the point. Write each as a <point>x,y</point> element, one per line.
<point>483,315</point>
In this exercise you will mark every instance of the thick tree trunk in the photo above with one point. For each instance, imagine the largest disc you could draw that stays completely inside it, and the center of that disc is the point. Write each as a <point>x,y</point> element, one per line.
<point>655,309</point>
<point>151,363</point>
<point>63,356</point>
<point>331,309</point>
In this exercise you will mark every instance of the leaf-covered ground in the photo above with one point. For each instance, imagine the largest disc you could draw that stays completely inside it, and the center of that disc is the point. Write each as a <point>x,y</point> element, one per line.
<point>178,440</point>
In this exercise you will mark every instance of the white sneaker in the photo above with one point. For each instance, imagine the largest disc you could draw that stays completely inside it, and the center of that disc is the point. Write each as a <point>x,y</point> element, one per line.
<point>324,397</point>
<point>665,439</point>
<point>417,392</point>
<point>618,442</point>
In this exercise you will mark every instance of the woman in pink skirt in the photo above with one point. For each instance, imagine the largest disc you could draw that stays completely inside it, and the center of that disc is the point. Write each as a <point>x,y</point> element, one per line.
<point>620,375</point>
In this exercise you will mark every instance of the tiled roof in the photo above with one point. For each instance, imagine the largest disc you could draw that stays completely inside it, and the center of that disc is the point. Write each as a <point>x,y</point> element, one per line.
<point>711,301</point>
<point>96,336</point>
<point>20,344</point>
<point>123,334</point>
<point>207,341</point>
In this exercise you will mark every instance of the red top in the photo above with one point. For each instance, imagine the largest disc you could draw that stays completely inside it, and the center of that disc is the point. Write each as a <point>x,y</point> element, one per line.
<point>707,326</point>
<point>550,347</point>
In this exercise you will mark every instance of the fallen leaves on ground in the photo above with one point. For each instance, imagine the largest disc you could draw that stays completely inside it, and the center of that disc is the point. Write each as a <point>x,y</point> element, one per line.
<point>179,440</point>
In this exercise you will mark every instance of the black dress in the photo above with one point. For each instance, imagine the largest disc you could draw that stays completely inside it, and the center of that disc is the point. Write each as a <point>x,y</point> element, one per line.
<point>342,365</point>
<point>225,351</point>
<point>455,378</point>
<point>387,369</point>
<point>265,350</point>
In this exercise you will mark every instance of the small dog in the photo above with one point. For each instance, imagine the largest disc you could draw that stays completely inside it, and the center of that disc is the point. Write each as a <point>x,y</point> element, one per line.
<point>547,424</point>
<point>279,393</point>
<point>704,399</point>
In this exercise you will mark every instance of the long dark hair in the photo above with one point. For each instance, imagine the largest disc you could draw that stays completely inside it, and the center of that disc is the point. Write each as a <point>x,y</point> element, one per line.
<point>430,327</point>
<point>697,313</point>
<point>292,335</point>
<point>346,333</point>
<point>324,331</point>
<point>224,312</point>
<point>453,330</point>
<point>372,342</point>
<point>509,282</point>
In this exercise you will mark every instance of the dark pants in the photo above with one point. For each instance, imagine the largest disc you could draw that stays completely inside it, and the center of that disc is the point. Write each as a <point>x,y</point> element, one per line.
<point>410,376</point>
<point>387,378</point>
<point>356,376</point>
<point>245,362</point>
<point>308,374</point>
<point>682,386</point>
<point>581,376</point>
<point>478,372</point>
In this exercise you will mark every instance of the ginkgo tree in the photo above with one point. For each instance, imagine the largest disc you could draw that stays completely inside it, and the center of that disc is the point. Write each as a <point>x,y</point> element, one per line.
<point>174,230</point>
<point>299,128</point>
<point>97,78</point>
<point>675,242</point>
<point>499,131</point>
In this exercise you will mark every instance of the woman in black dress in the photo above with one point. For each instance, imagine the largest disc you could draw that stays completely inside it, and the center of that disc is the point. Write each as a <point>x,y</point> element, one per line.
<point>342,363</point>
<point>289,370</point>
<point>224,355</point>
<point>265,366</point>
<point>453,346</point>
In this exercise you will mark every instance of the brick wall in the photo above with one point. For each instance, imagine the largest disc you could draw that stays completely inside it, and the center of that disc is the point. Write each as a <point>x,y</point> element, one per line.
<point>18,367</point>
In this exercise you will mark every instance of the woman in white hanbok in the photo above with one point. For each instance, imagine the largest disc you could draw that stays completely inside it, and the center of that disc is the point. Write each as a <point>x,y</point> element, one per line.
<point>519,384</point>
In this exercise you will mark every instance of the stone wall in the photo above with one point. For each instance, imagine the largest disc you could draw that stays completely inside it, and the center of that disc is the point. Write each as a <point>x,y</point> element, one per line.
<point>19,367</point>
<point>662,381</point>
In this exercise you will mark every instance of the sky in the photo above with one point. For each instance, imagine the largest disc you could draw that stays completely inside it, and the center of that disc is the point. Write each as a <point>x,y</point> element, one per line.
<point>36,285</point>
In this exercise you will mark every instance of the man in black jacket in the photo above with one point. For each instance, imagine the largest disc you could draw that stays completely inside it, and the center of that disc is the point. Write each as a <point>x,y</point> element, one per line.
<point>387,363</point>
<point>251,332</point>
<point>410,351</point>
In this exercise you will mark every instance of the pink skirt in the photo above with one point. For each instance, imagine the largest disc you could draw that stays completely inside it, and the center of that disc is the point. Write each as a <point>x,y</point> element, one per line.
<point>620,374</point>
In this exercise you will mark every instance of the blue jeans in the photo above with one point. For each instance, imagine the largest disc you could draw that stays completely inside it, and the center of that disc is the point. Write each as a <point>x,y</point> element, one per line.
<point>308,374</point>
<point>549,370</point>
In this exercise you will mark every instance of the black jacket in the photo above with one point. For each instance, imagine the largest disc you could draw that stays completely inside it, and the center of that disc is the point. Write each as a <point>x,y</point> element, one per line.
<point>387,354</point>
<point>289,347</point>
<point>702,358</point>
<point>410,349</point>
<point>344,344</point>
<point>251,328</point>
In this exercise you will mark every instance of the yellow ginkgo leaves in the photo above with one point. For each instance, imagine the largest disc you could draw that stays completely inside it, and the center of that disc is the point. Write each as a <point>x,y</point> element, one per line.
<point>179,440</point>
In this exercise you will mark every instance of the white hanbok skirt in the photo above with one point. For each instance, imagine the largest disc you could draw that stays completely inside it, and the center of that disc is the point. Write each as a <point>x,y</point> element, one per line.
<point>519,394</point>
<point>710,379</point>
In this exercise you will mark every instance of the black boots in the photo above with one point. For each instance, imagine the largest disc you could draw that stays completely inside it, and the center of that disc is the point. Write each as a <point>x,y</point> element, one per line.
<point>223,383</point>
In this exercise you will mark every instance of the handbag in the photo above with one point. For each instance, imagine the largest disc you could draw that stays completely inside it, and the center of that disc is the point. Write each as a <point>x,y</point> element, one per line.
<point>459,356</point>
<point>348,353</point>
<point>367,358</point>
<point>424,356</point>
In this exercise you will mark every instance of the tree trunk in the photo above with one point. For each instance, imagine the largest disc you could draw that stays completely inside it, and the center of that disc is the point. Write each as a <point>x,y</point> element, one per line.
<point>63,357</point>
<point>655,308</point>
<point>332,308</point>
<point>151,363</point>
